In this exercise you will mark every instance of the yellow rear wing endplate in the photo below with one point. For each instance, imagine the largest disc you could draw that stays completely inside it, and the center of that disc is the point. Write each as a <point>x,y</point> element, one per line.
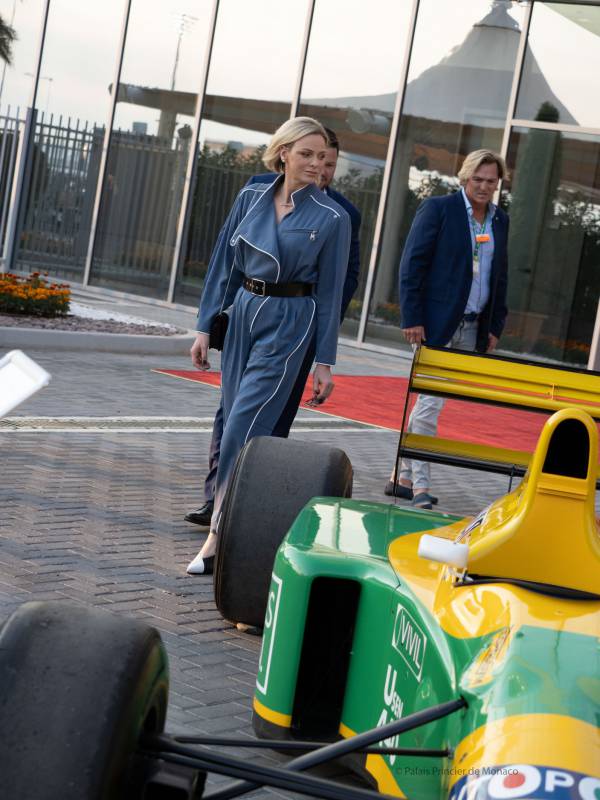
<point>498,381</point>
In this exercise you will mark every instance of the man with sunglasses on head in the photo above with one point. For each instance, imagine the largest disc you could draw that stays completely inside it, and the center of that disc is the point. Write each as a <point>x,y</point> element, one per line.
<point>453,278</point>
<point>201,516</point>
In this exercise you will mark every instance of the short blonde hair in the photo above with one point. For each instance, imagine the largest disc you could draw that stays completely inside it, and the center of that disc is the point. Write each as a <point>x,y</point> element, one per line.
<point>286,135</point>
<point>478,157</point>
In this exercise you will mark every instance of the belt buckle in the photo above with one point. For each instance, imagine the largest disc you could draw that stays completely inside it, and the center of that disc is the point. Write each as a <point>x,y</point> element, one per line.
<point>259,287</point>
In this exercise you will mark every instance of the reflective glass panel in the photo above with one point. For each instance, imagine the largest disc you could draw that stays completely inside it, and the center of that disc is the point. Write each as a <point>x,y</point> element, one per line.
<point>553,198</point>
<point>350,84</point>
<point>150,141</point>
<point>16,86</point>
<point>72,105</point>
<point>16,78</point>
<point>562,64</point>
<point>251,82</point>
<point>456,101</point>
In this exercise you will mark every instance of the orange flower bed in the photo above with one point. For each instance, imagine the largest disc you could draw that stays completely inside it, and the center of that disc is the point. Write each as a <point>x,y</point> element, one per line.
<point>33,295</point>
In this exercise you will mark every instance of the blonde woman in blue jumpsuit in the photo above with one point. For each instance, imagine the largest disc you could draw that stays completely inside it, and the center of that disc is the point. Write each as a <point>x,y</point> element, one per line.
<point>280,262</point>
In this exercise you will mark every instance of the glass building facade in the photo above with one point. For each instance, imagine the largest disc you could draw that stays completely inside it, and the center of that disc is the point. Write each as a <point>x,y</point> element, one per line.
<point>127,127</point>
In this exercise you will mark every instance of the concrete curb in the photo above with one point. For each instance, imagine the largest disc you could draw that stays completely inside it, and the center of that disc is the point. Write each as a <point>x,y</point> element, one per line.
<point>47,339</point>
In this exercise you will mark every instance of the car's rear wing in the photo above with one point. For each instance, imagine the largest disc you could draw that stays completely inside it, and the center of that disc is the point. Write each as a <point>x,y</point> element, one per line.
<point>499,381</point>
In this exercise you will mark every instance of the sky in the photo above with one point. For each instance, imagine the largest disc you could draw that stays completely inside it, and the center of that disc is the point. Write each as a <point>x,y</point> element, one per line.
<point>351,52</point>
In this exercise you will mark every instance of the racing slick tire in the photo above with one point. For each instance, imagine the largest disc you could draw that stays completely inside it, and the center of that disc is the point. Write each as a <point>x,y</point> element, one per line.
<point>272,481</point>
<point>78,687</point>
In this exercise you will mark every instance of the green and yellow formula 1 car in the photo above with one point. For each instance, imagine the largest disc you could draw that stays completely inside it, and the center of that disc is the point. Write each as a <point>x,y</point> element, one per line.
<point>444,657</point>
<point>376,612</point>
<point>482,634</point>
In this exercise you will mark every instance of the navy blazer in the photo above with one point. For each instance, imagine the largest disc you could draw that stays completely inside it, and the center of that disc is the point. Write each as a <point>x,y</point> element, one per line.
<point>351,281</point>
<point>436,272</point>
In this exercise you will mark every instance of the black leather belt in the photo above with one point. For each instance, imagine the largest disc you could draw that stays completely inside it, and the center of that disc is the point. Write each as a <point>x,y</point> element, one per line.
<point>471,316</point>
<point>263,289</point>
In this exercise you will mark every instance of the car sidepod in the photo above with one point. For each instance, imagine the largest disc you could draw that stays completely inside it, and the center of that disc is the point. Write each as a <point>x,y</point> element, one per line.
<point>346,646</point>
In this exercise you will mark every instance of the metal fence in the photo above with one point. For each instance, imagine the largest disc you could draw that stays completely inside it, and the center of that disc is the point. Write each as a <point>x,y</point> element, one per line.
<point>62,172</point>
<point>11,127</point>
<point>136,226</point>
<point>217,186</point>
<point>139,211</point>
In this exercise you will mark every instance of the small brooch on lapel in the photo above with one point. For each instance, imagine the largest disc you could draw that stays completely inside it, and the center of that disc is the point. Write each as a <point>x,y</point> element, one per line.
<point>313,235</point>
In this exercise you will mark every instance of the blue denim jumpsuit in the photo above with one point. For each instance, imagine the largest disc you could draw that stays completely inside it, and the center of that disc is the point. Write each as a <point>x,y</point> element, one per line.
<point>268,337</point>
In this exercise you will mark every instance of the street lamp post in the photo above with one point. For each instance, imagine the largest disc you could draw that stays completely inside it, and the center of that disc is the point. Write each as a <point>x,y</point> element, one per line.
<point>5,64</point>
<point>184,23</point>
<point>44,78</point>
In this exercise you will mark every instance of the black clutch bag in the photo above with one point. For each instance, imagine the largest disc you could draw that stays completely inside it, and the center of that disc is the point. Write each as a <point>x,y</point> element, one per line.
<point>218,329</point>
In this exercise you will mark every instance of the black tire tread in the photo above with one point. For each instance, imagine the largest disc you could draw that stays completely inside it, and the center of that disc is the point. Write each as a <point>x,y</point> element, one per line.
<point>272,481</point>
<point>76,686</point>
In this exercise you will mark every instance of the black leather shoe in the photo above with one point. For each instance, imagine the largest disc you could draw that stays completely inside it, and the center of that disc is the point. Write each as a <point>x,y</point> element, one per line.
<point>403,492</point>
<point>201,516</point>
<point>423,500</point>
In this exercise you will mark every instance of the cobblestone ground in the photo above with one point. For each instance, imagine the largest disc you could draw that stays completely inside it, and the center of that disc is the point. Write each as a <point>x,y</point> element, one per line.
<point>97,518</point>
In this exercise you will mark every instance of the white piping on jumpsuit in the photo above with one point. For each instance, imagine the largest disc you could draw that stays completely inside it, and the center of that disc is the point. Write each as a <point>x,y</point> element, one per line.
<point>256,247</point>
<point>228,282</point>
<point>233,239</point>
<point>333,211</point>
<point>256,315</point>
<point>250,189</point>
<point>284,371</point>
<point>276,279</point>
<point>292,196</point>
<point>254,204</point>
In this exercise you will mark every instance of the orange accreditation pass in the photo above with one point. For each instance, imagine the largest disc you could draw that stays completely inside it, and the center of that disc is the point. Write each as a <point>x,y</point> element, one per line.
<point>482,237</point>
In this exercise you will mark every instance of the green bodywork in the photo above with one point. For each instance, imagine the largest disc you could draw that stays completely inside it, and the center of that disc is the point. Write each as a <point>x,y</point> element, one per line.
<point>401,660</point>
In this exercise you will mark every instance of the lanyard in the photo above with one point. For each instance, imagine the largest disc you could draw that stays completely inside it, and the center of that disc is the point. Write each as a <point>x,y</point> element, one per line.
<point>477,233</point>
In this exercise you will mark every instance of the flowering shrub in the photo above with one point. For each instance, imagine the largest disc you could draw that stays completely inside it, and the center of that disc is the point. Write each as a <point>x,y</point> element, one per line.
<point>569,351</point>
<point>388,312</point>
<point>33,295</point>
<point>354,309</point>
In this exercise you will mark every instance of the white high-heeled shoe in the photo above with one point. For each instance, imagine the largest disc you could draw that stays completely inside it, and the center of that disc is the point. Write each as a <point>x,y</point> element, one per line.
<point>201,566</point>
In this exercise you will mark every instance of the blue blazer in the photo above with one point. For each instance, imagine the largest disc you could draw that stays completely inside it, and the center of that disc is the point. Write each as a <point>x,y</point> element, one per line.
<point>436,272</point>
<point>351,281</point>
<point>310,245</point>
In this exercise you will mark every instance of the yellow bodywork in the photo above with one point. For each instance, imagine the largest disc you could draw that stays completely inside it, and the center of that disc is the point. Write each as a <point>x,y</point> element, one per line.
<point>495,380</point>
<point>545,531</point>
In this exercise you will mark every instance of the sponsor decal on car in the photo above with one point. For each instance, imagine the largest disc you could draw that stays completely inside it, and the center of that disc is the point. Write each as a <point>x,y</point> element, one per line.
<point>393,706</point>
<point>409,641</point>
<point>512,781</point>
<point>264,664</point>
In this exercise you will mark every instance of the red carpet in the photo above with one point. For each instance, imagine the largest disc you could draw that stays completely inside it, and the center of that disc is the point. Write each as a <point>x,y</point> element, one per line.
<point>379,400</point>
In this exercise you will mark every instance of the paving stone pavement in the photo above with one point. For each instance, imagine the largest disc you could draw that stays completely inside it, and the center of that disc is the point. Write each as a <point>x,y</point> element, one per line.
<point>97,518</point>
<point>109,384</point>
